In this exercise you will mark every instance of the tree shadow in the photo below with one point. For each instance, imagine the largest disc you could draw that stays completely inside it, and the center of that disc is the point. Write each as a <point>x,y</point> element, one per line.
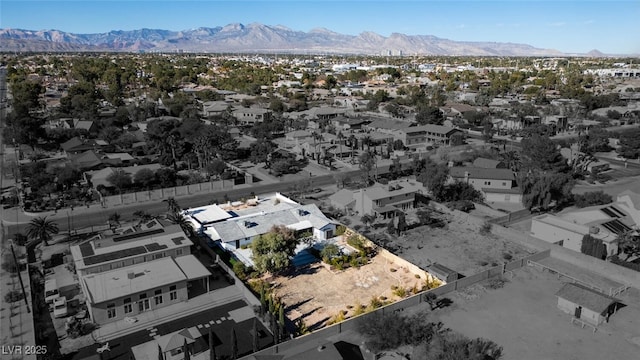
<point>318,324</point>
<point>309,313</point>
<point>298,304</point>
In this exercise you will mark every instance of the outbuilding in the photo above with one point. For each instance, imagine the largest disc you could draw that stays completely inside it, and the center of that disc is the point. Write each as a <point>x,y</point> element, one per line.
<point>588,305</point>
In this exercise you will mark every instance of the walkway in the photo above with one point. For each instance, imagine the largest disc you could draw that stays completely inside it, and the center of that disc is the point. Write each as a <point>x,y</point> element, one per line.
<point>16,323</point>
<point>153,318</point>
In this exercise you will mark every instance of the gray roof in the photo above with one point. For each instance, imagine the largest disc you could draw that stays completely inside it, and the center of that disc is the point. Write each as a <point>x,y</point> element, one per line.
<point>261,223</point>
<point>585,297</point>
<point>436,129</point>
<point>481,173</point>
<point>487,163</point>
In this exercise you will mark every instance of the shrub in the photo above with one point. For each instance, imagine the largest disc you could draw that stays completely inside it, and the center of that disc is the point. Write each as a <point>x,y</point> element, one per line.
<point>485,229</point>
<point>340,230</point>
<point>592,198</point>
<point>496,283</point>
<point>507,256</point>
<point>359,309</point>
<point>393,270</point>
<point>240,270</point>
<point>400,292</point>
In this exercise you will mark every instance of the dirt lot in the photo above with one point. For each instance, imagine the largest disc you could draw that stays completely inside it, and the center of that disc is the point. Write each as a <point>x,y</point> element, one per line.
<point>458,246</point>
<point>318,294</point>
<point>523,318</point>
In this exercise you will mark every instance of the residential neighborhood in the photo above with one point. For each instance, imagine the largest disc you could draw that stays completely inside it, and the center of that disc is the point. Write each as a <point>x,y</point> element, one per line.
<point>214,206</point>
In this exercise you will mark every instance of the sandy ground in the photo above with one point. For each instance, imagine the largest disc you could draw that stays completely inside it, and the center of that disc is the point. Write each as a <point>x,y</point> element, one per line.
<point>523,318</point>
<point>318,294</point>
<point>458,246</point>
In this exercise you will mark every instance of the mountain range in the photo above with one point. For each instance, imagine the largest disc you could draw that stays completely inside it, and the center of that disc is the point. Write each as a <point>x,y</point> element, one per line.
<point>257,38</point>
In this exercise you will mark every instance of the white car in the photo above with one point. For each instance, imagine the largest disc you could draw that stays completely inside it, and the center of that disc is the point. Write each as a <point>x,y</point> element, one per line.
<point>60,307</point>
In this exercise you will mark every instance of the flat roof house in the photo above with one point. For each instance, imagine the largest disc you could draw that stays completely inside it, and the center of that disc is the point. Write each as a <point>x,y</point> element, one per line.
<point>386,200</point>
<point>131,248</point>
<point>236,224</point>
<point>129,291</point>
<point>604,222</point>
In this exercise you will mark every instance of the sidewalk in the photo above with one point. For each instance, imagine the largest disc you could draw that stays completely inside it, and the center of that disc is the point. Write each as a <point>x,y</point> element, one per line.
<point>16,325</point>
<point>152,318</point>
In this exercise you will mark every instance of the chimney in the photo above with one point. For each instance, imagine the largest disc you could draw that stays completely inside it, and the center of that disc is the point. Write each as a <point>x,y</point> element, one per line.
<point>131,275</point>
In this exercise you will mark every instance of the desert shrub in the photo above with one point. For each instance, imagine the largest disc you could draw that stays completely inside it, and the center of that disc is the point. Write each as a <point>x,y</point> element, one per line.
<point>340,230</point>
<point>330,251</point>
<point>359,309</point>
<point>400,292</point>
<point>507,256</point>
<point>485,229</point>
<point>496,283</point>
<point>240,269</point>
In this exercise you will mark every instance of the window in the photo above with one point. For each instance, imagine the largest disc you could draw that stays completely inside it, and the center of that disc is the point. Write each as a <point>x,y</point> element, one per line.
<point>158,297</point>
<point>127,306</point>
<point>173,294</point>
<point>157,256</point>
<point>504,184</point>
<point>178,252</point>
<point>111,311</point>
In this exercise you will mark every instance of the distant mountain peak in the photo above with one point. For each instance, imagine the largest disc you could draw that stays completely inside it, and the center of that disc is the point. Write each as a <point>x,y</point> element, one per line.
<point>595,53</point>
<point>257,37</point>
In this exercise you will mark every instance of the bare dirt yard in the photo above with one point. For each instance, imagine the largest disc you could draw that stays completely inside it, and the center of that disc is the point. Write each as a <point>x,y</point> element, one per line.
<point>523,318</point>
<point>459,245</point>
<point>316,294</point>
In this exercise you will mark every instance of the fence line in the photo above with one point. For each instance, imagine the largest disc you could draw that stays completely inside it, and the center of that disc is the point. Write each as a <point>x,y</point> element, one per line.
<point>399,306</point>
<point>560,274</point>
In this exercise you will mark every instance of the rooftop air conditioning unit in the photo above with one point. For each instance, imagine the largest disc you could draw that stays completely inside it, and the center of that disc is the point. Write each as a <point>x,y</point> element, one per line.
<point>594,230</point>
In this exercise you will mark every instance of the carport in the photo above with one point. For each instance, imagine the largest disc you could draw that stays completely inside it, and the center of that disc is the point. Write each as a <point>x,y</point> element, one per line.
<point>196,273</point>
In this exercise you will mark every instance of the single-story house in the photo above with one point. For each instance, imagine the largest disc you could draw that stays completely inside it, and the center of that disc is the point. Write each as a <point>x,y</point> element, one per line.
<point>586,304</point>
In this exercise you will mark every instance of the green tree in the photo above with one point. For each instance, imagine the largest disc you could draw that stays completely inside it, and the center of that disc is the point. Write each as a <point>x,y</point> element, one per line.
<point>144,178</point>
<point>429,115</point>
<point>42,229</point>
<point>630,144</point>
<point>271,252</point>
<point>540,153</point>
<point>402,223</point>
<point>592,198</point>
<point>120,179</point>
<point>182,221</point>
<point>367,161</point>
<point>628,243</point>
<point>593,247</point>
<point>172,205</point>
<point>432,175</point>
<point>329,252</point>
<point>541,190</point>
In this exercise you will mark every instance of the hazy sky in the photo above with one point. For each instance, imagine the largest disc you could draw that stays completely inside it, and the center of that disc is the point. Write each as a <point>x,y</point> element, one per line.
<point>611,26</point>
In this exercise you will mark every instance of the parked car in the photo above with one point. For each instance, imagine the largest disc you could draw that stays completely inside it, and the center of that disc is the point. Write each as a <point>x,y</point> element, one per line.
<point>60,307</point>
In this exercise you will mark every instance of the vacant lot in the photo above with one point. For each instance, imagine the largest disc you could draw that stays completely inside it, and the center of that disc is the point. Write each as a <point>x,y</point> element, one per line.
<point>317,294</point>
<point>523,318</point>
<point>459,246</point>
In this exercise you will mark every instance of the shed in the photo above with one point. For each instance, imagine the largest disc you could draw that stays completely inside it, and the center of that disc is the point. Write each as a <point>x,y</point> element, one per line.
<point>586,304</point>
<point>442,272</point>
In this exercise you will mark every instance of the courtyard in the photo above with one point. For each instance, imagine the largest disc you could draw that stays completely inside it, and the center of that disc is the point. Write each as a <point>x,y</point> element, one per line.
<point>315,294</point>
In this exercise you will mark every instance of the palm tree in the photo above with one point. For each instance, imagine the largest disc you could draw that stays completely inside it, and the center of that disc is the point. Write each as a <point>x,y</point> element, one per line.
<point>340,138</point>
<point>42,229</point>
<point>183,222</point>
<point>114,220</point>
<point>172,205</point>
<point>628,243</point>
<point>142,216</point>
